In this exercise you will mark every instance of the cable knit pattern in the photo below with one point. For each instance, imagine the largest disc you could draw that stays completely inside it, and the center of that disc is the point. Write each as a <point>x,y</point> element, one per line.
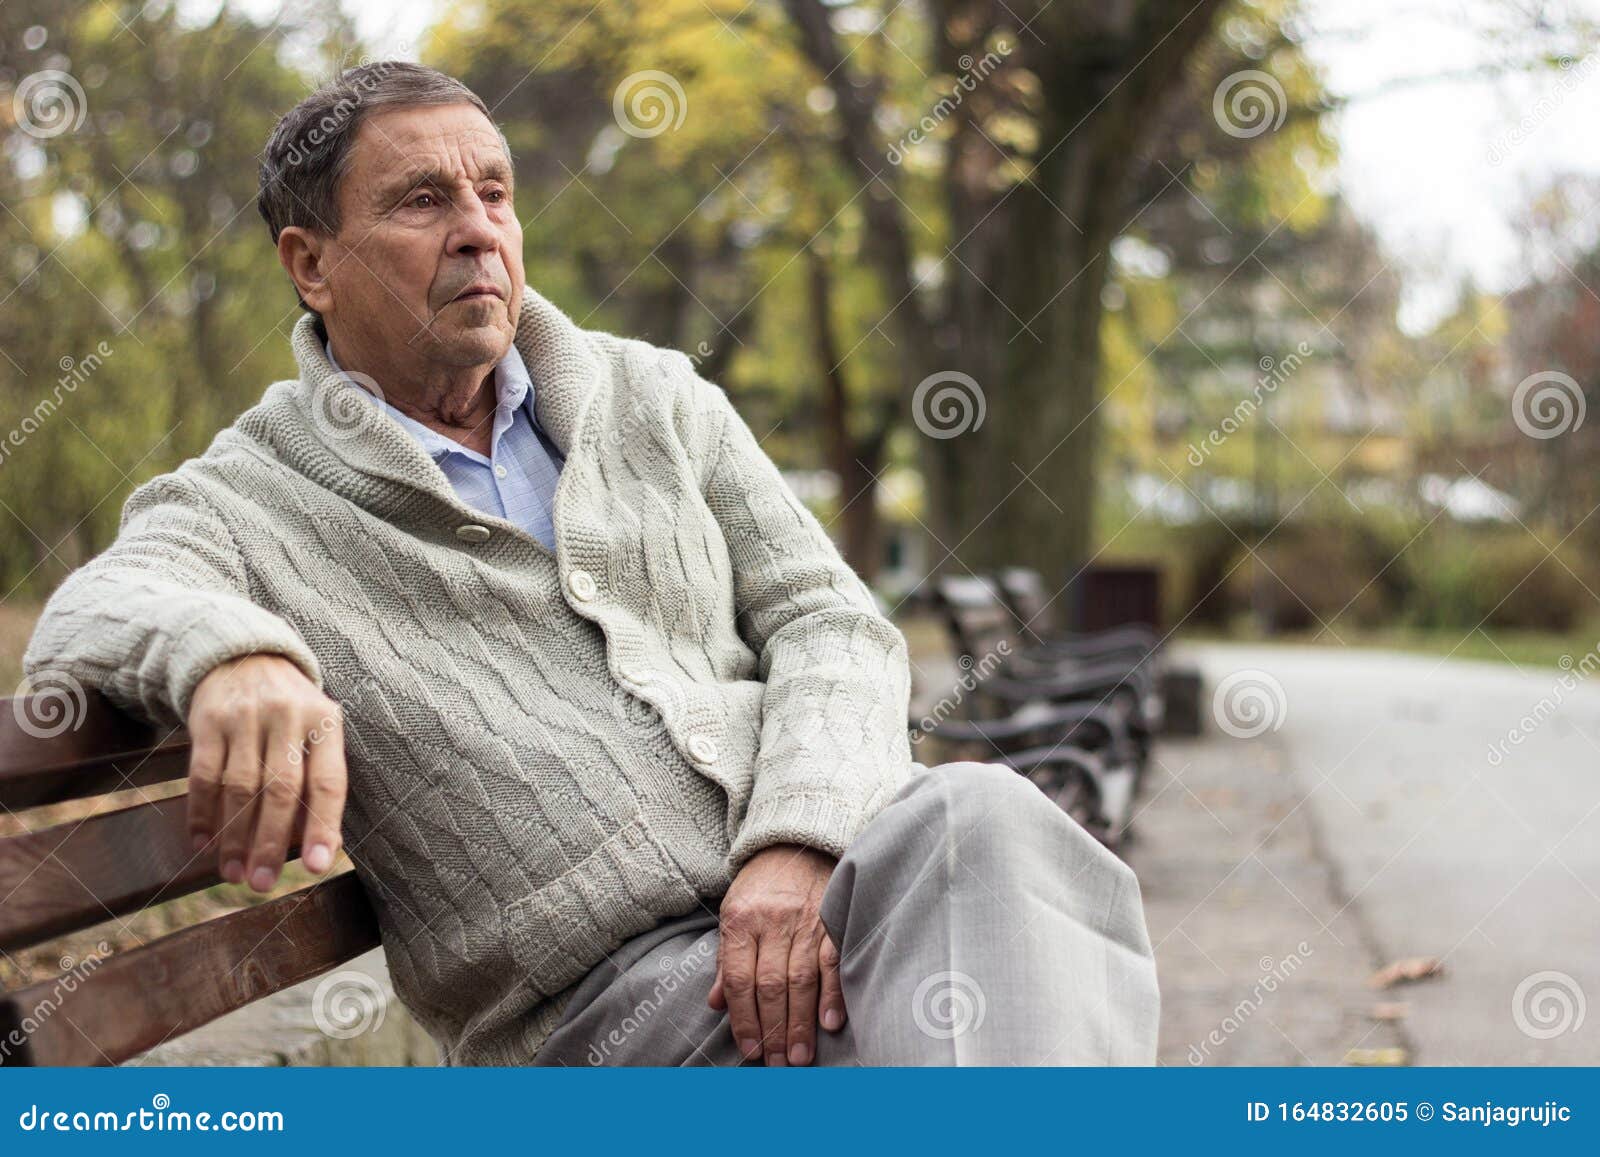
<point>548,753</point>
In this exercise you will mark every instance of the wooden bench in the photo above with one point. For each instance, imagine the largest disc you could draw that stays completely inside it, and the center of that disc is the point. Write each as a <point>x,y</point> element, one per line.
<point>78,874</point>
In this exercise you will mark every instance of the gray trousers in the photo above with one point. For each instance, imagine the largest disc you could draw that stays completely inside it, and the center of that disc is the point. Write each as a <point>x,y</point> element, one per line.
<point>977,924</point>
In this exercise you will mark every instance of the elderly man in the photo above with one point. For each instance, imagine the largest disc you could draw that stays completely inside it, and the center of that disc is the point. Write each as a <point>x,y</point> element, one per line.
<point>521,616</point>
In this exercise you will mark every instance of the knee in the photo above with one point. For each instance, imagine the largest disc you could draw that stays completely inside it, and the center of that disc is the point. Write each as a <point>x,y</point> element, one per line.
<point>988,807</point>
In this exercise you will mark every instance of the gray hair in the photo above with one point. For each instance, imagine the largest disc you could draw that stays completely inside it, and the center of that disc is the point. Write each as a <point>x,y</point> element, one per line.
<point>309,150</point>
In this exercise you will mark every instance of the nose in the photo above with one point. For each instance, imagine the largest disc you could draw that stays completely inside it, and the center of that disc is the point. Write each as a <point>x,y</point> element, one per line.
<point>472,232</point>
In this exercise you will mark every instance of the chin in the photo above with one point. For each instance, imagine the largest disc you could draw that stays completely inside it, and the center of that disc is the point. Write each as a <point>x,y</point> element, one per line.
<point>474,345</point>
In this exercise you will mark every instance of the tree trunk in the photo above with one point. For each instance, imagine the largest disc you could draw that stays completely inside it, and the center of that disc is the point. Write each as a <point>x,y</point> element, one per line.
<point>856,461</point>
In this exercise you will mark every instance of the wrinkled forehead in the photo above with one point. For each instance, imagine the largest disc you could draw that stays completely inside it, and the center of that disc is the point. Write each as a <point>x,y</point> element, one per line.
<point>400,146</point>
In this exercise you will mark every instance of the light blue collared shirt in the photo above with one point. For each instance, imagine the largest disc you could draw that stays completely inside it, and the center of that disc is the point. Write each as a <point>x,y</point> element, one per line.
<point>517,481</point>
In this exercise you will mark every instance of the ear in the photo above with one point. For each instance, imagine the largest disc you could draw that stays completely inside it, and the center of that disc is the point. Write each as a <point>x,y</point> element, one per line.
<point>304,255</point>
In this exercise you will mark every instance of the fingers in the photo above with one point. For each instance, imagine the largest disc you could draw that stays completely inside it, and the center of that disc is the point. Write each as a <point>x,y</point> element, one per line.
<point>831,1000</point>
<point>772,994</point>
<point>736,962</point>
<point>327,782</point>
<point>716,998</point>
<point>267,769</point>
<point>207,752</point>
<point>241,782</point>
<point>283,775</point>
<point>804,984</point>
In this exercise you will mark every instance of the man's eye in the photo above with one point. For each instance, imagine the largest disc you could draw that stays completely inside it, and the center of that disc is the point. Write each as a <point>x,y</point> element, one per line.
<point>421,197</point>
<point>498,194</point>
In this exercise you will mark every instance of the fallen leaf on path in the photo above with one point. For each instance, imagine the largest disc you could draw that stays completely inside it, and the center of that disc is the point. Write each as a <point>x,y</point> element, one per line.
<point>1411,968</point>
<point>1377,1058</point>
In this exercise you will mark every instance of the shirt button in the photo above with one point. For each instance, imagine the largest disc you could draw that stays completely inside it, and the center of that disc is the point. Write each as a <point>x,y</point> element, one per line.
<point>582,585</point>
<point>702,750</point>
<point>472,532</point>
<point>499,471</point>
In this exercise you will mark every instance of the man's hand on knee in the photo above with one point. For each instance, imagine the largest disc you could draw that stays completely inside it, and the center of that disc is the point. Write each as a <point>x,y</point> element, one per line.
<point>777,968</point>
<point>266,769</point>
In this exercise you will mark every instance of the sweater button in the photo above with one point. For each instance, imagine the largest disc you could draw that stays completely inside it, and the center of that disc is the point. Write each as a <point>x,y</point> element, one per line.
<point>702,750</point>
<point>472,532</point>
<point>582,585</point>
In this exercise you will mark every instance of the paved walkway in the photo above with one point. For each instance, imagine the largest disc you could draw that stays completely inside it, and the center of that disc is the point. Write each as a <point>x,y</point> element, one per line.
<point>1373,809</point>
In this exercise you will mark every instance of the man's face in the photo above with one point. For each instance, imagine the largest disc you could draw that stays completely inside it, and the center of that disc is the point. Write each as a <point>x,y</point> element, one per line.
<point>426,225</point>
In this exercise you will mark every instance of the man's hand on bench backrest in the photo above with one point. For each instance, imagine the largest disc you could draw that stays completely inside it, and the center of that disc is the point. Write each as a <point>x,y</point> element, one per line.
<point>267,769</point>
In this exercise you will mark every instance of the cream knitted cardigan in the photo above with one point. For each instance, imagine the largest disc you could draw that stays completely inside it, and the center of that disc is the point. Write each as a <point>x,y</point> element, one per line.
<point>548,753</point>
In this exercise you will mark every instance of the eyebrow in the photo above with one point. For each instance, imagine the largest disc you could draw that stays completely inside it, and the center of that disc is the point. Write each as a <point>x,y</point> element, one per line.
<point>494,170</point>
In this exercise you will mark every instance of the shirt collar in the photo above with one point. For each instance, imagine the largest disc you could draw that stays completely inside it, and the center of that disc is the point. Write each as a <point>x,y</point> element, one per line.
<point>513,387</point>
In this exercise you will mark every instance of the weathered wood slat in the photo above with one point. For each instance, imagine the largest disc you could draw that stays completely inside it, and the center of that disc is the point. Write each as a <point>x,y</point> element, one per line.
<point>132,1001</point>
<point>77,874</point>
<point>70,745</point>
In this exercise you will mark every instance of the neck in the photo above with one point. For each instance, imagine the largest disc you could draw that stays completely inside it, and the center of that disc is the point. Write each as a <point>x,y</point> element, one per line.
<point>456,401</point>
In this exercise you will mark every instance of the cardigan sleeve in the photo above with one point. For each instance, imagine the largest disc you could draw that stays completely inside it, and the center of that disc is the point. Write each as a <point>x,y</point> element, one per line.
<point>147,619</point>
<point>834,744</point>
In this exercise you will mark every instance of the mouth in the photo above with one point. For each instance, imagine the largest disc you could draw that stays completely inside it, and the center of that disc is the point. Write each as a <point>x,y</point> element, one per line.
<point>480,291</point>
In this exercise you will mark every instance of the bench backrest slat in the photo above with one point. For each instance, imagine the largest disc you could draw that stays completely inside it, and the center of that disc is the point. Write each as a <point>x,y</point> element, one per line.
<point>129,1002</point>
<point>55,748</point>
<point>975,613</point>
<point>78,874</point>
